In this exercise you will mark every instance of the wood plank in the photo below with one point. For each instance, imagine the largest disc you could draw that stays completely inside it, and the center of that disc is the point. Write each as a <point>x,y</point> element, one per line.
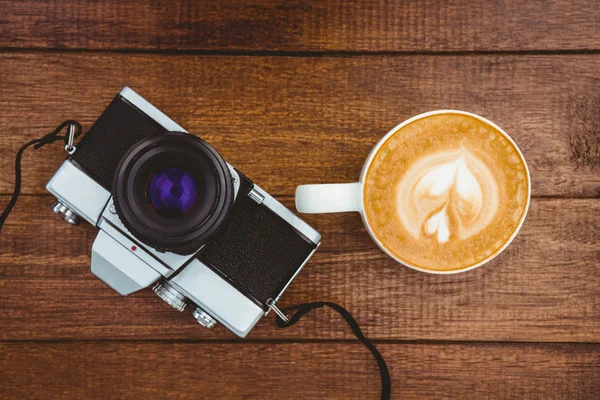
<point>545,287</point>
<point>296,371</point>
<point>285,121</point>
<point>302,25</point>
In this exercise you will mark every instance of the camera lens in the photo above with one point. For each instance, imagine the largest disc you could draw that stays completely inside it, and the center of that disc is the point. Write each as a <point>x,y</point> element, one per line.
<point>172,192</point>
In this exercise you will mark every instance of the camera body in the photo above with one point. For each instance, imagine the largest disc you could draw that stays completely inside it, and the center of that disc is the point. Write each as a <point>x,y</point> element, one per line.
<point>173,214</point>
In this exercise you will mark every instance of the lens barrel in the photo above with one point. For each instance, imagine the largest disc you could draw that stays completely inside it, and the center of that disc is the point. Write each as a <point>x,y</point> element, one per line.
<point>173,192</point>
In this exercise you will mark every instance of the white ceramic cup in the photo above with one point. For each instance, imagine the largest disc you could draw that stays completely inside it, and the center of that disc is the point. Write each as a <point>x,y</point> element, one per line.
<point>348,197</point>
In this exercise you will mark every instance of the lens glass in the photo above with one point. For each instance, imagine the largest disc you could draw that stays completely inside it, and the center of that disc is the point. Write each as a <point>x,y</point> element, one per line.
<point>172,192</point>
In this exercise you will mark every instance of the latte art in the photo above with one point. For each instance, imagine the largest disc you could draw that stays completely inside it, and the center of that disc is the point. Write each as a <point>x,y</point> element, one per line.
<point>446,192</point>
<point>442,195</point>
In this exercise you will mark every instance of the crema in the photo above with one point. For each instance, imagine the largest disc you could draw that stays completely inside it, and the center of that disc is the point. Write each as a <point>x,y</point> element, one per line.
<point>446,192</point>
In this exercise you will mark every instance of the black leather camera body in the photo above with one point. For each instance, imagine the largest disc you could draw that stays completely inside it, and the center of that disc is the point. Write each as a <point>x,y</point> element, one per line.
<point>172,213</point>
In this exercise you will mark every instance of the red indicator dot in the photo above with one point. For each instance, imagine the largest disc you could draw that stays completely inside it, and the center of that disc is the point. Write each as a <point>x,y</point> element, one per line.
<point>133,248</point>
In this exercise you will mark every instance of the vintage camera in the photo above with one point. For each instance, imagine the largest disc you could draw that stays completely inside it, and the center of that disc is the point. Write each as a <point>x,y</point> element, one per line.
<point>173,213</point>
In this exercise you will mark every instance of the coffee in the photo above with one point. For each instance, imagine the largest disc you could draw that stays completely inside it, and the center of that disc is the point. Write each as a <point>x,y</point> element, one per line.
<point>446,192</point>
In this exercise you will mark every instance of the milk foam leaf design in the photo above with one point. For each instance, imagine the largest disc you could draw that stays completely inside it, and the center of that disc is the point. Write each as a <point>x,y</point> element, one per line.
<point>450,195</point>
<point>437,182</point>
<point>438,223</point>
<point>470,197</point>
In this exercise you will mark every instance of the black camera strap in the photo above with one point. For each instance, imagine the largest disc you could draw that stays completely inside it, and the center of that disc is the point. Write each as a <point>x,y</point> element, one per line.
<point>74,131</point>
<point>302,309</point>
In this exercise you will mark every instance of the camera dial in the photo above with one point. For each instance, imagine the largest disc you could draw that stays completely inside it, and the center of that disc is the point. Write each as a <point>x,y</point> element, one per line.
<point>203,318</point>
<point>66,213</point>
<point>170,295</point>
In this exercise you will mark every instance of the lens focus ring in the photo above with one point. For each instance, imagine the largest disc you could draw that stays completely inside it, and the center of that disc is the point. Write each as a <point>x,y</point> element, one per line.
<point>173,192</point>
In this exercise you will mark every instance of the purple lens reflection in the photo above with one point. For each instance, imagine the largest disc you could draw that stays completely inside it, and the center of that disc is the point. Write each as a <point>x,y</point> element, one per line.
<point>172,192</point>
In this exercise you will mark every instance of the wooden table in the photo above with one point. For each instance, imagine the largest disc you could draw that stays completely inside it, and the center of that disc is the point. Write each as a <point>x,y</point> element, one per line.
<point>294,92</point>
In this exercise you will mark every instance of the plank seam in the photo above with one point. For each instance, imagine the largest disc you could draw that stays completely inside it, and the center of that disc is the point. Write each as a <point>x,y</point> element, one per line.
<point>424,342</point>
<point>300,54</point>
<point>283,196</point>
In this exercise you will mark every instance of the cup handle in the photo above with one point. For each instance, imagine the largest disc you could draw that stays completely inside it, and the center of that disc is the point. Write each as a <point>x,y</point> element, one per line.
<point>329,198</point>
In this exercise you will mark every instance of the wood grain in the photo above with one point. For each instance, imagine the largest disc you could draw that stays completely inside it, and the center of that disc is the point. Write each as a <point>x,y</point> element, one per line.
<point>285,121</point>
<point>545,287</point>
<point>296,92</point>
<point>301,25</point>
<point>296,371</point>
